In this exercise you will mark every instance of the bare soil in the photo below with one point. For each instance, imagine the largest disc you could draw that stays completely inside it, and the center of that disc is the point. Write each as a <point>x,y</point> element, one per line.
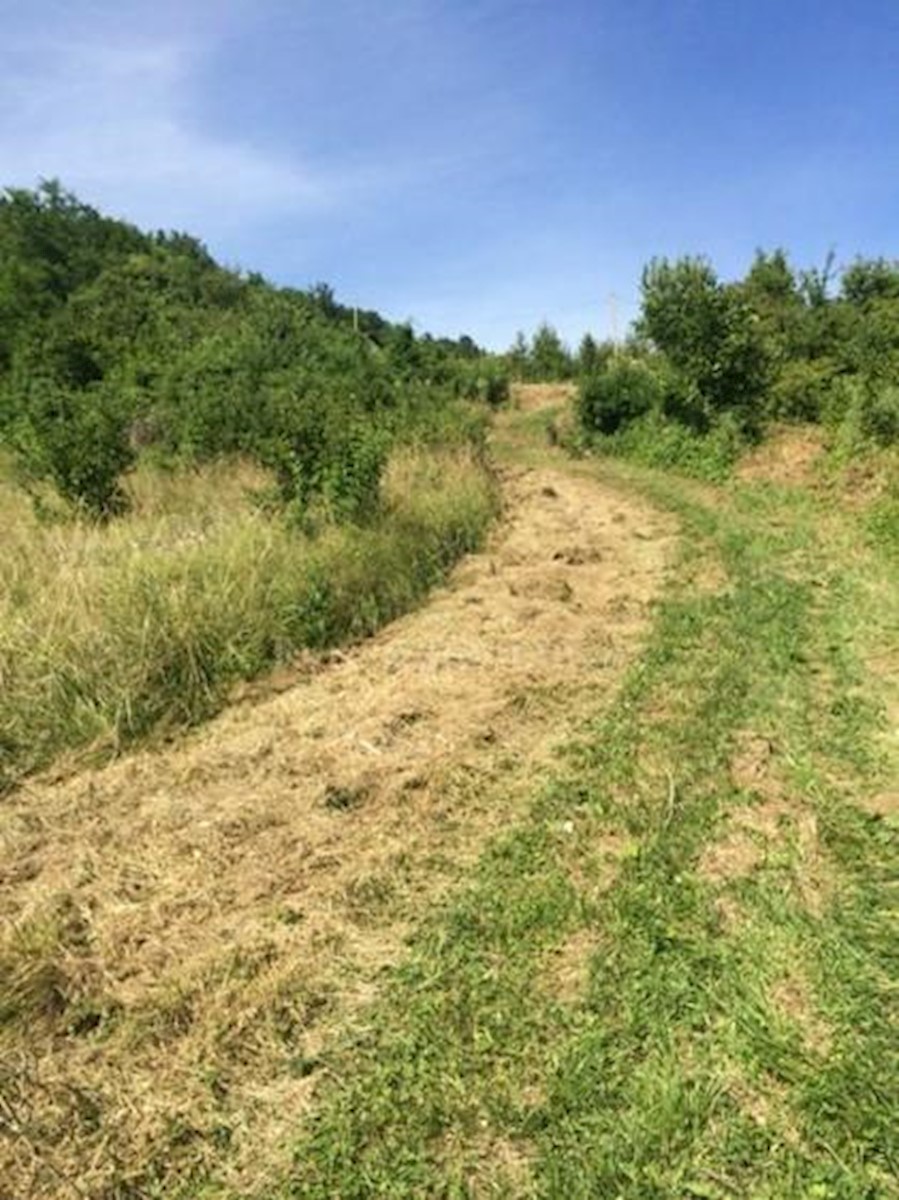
<point>232,899</point>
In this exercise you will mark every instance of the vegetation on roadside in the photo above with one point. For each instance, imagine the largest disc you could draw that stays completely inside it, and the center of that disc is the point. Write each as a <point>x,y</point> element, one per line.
<point>678,975</point>
<point>117,344</point>
<point>199,588</point>
<point>710,365</point>
<point>133,365</point>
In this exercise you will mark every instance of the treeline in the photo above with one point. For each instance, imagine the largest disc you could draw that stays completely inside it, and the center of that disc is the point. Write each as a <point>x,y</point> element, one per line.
<point>715,361</point>
<point>115,343</point>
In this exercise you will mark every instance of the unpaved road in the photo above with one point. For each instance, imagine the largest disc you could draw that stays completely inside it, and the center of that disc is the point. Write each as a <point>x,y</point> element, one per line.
<point>221,905</point>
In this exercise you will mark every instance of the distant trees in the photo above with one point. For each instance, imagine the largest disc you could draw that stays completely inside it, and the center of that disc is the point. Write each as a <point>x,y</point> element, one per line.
<point>543,359</point>
<point>104,328</point>
<point>777,344</point>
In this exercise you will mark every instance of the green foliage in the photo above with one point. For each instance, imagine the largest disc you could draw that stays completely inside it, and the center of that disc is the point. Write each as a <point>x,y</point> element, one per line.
<point>550,359</point>
<point>710,336</point>
<point>800,390</point>
<point>658,441</point>
<point>877,413</point>
<point>625,389</point>
<point>546,359</point>
<point>152,334</point>
<point>867,280</point>
<point>593,356</point>
<point>776,345</point>
<point>77,441</point>
<point>484,379</point>
<point>328,461</point>
<point>50,245</point>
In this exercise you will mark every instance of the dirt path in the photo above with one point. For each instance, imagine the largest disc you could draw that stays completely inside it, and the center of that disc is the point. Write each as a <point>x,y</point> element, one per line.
<point>212,910</point>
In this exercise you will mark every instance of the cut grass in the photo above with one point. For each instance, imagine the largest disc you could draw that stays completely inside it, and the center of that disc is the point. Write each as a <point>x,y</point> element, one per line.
<point>734,1031</point>
<point>107,634</point>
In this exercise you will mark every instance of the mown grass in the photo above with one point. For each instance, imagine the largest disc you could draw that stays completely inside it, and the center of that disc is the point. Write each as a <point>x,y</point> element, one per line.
<point>679,977</point>
<point>109,633</point>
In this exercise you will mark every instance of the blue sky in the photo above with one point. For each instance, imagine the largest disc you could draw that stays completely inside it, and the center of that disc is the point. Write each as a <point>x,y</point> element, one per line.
<point>475,165</point>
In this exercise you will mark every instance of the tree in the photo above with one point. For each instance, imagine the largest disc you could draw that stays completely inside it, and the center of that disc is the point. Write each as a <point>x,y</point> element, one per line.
<point>867,280</point>
<point>550,360</point>
<point>711,337</point>
<point>78,442</point>
<point>518,357</point>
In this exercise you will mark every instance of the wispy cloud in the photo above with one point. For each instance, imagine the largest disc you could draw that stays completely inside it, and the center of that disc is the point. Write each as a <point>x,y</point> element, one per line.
<point>113,122</point>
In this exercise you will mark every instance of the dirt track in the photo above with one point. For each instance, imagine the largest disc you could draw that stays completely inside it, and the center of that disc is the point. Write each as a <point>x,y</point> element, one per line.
<point>236,894</point>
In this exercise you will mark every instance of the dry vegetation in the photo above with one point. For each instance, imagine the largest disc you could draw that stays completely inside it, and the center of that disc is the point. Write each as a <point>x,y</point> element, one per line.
<point>185,927</point>
<point>110,632</point>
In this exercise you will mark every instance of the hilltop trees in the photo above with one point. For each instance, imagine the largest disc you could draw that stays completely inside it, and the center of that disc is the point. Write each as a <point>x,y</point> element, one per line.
<point>543,359</point>
<point>106,331</point>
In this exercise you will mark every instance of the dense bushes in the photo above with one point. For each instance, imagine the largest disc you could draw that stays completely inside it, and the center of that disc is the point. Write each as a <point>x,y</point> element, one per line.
<point>719,361</point>
<point>113,341</point>
<point>625,389</point>
<point>132,365</point>
<point>78,441</point>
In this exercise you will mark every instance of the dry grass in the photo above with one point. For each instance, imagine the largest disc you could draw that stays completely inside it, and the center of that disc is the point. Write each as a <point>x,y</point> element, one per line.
<point>242,890</point>
<point>790,455</point>
<point>109,633</point>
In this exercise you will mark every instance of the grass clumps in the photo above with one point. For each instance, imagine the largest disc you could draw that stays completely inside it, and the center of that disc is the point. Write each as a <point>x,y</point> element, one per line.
<point>109,632</point>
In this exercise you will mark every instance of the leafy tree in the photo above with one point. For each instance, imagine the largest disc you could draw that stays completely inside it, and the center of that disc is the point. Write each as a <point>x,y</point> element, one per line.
<point>50,244</point>
<point>593,356</point>
<point>870,280</point>
<point>550,359</point>
<point>518,357</point>
<point>710,336</point>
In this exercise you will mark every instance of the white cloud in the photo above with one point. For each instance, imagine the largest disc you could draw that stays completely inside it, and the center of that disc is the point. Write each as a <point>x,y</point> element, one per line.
<point>113,122</point>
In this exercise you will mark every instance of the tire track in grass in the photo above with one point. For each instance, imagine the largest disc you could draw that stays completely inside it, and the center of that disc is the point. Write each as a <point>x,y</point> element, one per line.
<point>732,1029</point>
<point>187,928</point>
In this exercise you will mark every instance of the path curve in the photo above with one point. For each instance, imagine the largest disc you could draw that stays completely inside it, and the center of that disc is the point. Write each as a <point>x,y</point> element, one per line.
<point>236,893</point>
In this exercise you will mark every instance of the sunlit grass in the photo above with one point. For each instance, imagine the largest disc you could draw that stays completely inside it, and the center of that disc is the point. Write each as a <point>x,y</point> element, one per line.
<point>108,632</point>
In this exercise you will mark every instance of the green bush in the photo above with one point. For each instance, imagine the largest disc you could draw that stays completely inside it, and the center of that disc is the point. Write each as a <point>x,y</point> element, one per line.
<point>78,442</point>
<point>863,414</point>
<point>801,390</point>
<point>879,414</point>
<point>613,397</point>
<point>657,441</point>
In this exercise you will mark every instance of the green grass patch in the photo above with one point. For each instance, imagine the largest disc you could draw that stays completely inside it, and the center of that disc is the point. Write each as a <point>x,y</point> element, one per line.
<point>656,441</point>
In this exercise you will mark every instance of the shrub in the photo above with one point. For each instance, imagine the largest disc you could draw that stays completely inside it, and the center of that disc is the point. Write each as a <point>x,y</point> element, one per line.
<point>78,442</point>
<point>624,390</point>
<point>656,441</point>
<point>863,414</point>
<point>801,390</point>
<point>879,414</point>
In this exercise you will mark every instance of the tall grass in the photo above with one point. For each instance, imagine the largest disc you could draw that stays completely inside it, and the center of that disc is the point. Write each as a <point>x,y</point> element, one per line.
<point>109,632</point>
